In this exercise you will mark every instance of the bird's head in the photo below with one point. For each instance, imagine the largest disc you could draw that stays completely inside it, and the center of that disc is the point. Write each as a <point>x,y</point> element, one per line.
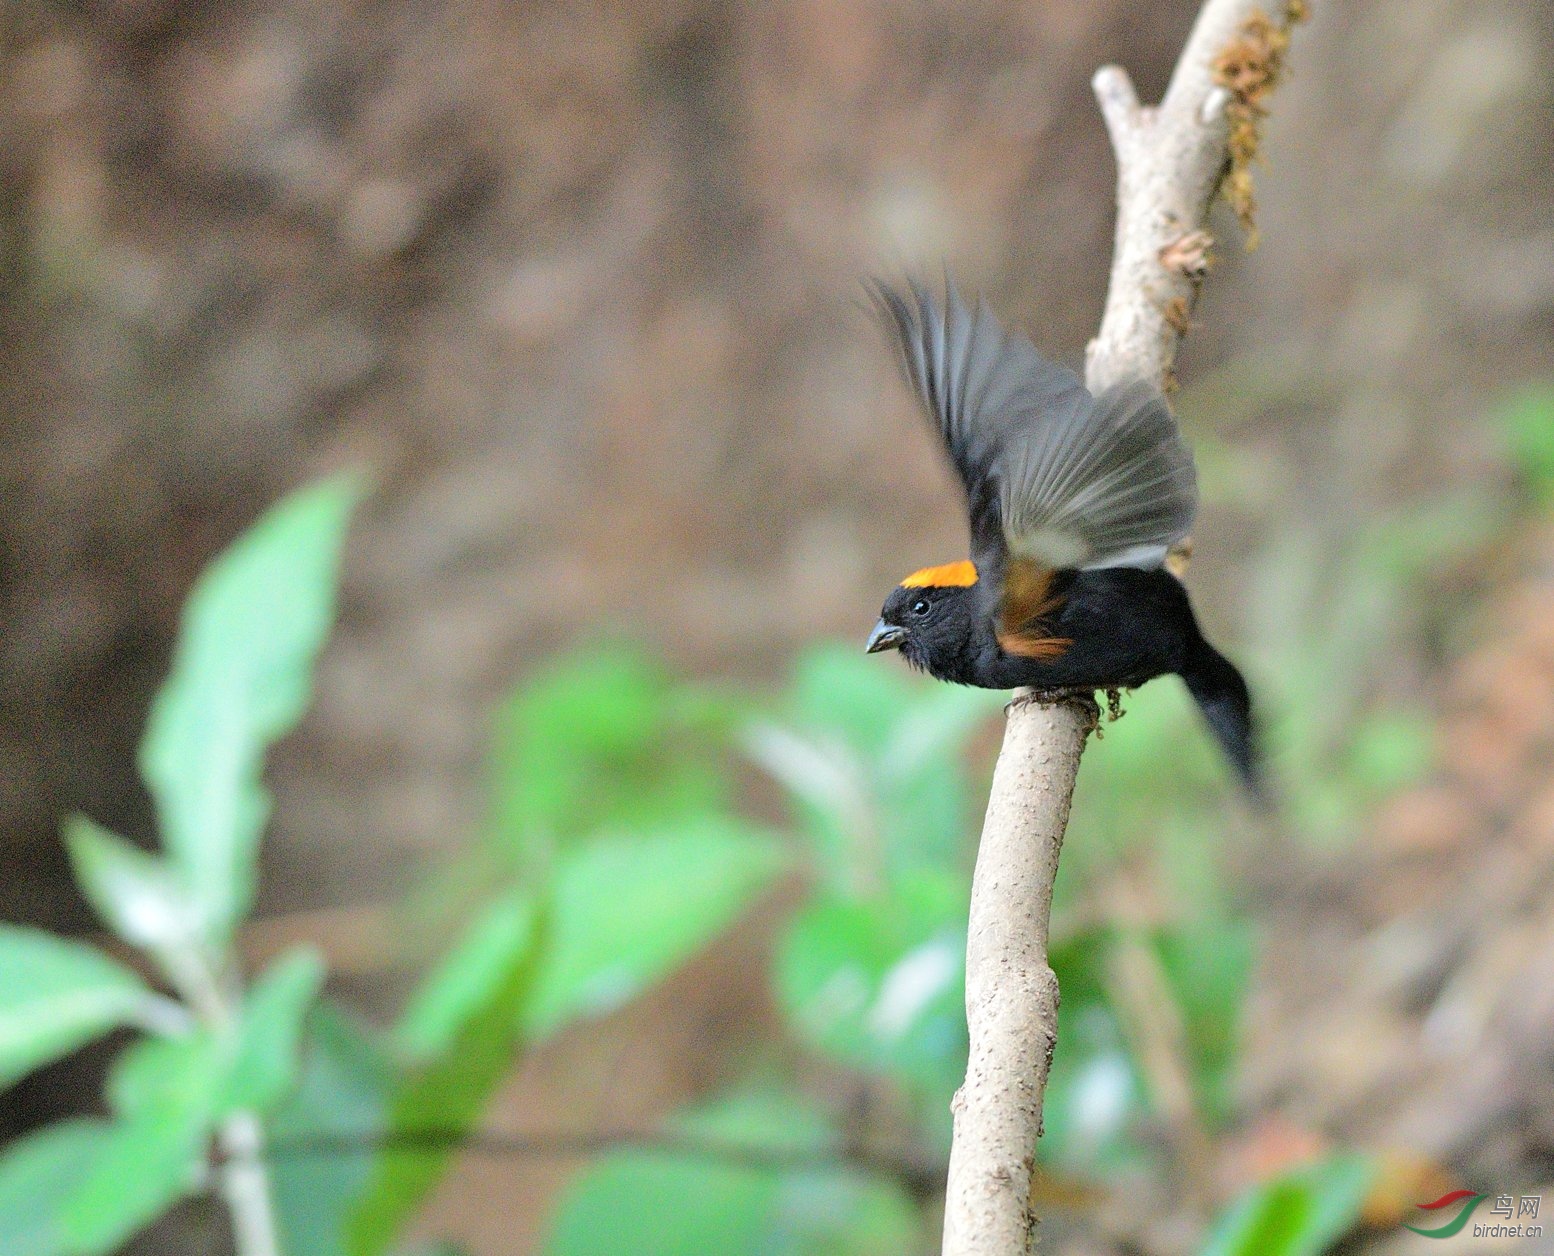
<point>929,618</point>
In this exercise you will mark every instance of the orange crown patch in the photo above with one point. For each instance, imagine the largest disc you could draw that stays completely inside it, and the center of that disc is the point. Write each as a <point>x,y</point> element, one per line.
<point>959,575</point>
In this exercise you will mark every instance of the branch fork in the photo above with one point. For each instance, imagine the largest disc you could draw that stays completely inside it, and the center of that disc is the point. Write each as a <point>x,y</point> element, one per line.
<point>1171,160</point>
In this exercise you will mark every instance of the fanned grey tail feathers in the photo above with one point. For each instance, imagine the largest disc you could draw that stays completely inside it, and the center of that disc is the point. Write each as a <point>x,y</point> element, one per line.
<point>1052,473</point>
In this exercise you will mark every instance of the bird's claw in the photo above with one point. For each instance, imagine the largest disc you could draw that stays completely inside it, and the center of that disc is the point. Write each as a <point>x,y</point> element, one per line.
<point>1079,695</point>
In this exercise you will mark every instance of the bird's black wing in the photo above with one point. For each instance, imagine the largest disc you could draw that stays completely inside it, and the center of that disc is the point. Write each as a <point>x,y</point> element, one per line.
<point>1053,476</point>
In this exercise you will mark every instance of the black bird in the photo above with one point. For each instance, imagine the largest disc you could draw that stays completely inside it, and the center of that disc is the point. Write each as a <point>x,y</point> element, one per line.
<point>1075,502</point>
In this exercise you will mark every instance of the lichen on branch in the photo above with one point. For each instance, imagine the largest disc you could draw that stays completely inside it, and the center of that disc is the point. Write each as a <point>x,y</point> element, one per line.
<point>1249,68</point>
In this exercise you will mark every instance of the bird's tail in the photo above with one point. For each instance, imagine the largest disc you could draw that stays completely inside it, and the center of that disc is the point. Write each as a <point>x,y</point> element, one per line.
<point>1221,694</point>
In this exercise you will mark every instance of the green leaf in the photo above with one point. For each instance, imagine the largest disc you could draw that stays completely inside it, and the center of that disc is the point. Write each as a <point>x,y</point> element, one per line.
<point>860,699</point>
<point>265,1065</point>
<point>879,982</point>
<point>1095,1095</point>
<point>840,713</point>
<point>442,1099</point>
<point>343,1095</point>
<point>144,1167</point>
<point>1095,1098</point>
<point>156,1072</point>
<point>468,979</point>
<point>165,1093</point>
<point>1158,754</point>
<point>1301,1213</point>
<point>870,758</point>
<point>38,1174</point>
<point>680,1204</point>
<point>1153,782</point>
<point>924,785</point>
<point>1209,967</point>
<point>137,895</point>
<point>831,786</point>
<point>1079,960</point>
<point>600,739</point>
<point>241,676</point>
<point>626,910</point>
<point>55,996</point>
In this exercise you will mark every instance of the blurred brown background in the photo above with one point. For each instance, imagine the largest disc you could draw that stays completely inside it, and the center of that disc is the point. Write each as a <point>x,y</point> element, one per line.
<point>581,282</point>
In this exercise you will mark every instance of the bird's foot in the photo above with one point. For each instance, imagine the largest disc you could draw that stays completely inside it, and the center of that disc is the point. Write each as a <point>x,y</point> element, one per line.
<point>1079,695</point>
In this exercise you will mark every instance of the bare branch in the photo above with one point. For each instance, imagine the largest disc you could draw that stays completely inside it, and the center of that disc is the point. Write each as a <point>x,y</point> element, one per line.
<point>1170,162</point>
<point>1120,107</point>
<point>245,1184</point>
<point>1011,992</point>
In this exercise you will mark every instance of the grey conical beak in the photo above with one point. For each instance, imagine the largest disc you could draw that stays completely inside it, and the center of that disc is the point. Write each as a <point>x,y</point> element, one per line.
<point>885,637</point>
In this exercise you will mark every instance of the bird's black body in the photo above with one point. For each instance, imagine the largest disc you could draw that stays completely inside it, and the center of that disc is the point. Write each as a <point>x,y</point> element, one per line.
<point>1075,501</point>
<point>1125,627</point>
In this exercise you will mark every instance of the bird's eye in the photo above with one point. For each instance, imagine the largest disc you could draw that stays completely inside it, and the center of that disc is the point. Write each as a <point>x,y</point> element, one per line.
<point>920,607</point>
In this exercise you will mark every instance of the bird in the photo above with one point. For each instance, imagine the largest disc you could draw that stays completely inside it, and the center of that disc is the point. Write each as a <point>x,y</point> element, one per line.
<point>1075,502</point>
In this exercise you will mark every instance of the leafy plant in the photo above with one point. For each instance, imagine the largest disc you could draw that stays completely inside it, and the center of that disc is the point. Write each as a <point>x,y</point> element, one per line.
<point>868,972</point>
<point>615,850</point>
<point>208,1064</point>
<point>615,859</point>
<point>869,969</point>
<point>615,916</point>
<point>602,738</point>
<point>628,883</point>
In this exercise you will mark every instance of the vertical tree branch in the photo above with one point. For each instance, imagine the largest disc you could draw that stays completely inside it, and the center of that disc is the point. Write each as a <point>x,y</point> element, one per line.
<point>244,1173</point>
<point>245,1184</point>
<point>1170,162</point>
<point>1011,991</point>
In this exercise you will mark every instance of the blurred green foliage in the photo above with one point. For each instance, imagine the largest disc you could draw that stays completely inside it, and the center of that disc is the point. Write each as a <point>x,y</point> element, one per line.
<point>216,1053</point>
<point>620,843</point>
<point>343,1091</point>
<point>1328,622</point>
<point>603,739</point>
<point>1299,1213</point>
<point>676,1205</point>
<point>1527,419</point>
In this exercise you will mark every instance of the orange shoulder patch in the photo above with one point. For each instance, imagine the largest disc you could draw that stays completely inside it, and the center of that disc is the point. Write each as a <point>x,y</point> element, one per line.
<point>1042,648</point>
<point>960,575</point>
<point>1027,598</point>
